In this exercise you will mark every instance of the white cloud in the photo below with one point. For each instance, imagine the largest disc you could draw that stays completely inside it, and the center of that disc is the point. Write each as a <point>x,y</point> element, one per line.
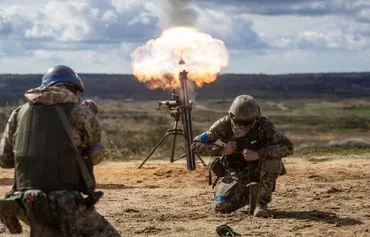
<point>12,49</point>
<point>15,20</point>
<point>294,56</point>
<point>126,5</point>
<point>88,61</point>
<point>236,30</point>
<point>364,14</point>
<point>78,21</point>
<point>279,61</point>
<point>60,32</point>
<point>279,33</point>
<point>337,39</point>
<point>108,16</point>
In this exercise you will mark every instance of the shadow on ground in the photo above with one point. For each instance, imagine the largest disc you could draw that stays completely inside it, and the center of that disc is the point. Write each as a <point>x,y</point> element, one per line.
<point>320,216</point>
<point>6,181</point>
<point>113,186</point>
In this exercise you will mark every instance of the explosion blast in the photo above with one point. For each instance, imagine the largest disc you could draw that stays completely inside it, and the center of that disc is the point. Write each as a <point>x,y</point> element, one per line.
<point>156,62</point>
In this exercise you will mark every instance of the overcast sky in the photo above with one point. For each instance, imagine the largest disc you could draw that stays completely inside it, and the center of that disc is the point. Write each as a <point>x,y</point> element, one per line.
<point>262,36</point>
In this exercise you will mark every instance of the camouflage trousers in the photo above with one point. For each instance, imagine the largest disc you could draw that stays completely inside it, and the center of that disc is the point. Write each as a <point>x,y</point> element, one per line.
<point>232,192</point>
<point>64,214</point>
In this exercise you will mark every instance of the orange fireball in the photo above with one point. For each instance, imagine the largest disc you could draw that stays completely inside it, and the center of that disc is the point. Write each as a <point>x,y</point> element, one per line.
<point>157,62</point>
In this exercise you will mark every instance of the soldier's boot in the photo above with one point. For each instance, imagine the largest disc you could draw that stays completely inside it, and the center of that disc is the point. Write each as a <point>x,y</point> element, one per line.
<point>247,209</point>
<point>261,211</point>
<point>12,224</point>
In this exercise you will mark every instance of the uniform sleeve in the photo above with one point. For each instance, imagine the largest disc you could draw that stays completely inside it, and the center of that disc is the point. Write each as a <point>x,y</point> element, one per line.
<point>90,131</point>
<point>204,144</point>
<point>6,144</point>
<point>277,144</point>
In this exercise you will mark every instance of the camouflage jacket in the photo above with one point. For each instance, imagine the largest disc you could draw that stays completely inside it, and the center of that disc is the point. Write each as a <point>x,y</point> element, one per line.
<point>86,130</point>
<point>275,144</point>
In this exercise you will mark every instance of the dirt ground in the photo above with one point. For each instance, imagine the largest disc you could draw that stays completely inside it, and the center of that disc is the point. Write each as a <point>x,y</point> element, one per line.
<point>330,198</point>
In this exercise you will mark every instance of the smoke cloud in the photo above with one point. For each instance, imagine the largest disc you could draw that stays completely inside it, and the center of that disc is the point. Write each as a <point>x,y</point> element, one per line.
<point>178,13</point>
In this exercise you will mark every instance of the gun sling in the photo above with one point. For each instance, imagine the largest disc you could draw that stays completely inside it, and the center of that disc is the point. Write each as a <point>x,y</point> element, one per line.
<point>90,183</point>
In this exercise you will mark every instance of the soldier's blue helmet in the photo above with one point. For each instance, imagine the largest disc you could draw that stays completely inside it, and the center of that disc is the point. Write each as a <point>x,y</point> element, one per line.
<point>61,74</point>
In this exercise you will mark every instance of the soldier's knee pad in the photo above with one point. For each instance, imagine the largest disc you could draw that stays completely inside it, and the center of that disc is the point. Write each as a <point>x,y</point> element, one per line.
<point>222,205</point>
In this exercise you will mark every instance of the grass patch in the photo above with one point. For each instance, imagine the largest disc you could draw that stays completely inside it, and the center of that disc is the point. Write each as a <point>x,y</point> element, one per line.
<point>132,129</point>
<point>331,150</point>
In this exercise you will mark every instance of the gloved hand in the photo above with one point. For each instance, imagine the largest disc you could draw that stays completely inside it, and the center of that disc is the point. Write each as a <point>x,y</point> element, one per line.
<point>91,104</point>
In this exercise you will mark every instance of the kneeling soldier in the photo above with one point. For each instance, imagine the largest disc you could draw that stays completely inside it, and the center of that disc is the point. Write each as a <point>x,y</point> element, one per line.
<point>53,142</point>
<point>251,152</point>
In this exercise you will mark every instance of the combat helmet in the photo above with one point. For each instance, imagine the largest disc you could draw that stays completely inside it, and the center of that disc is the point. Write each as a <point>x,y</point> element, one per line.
<point>244,108</point>
<point>61,74</point>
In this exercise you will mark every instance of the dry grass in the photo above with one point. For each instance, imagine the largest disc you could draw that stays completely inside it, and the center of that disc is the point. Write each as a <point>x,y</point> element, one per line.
<point>132,128</point>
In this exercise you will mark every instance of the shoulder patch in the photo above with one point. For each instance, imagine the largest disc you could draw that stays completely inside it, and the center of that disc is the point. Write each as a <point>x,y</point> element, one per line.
<point>204,137</point>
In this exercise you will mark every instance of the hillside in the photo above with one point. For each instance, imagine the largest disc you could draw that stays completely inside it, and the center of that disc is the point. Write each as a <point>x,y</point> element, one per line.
<point>287,86</point>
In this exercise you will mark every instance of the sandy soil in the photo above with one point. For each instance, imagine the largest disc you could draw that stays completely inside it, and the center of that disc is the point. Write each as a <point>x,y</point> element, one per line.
<point>330,198</point>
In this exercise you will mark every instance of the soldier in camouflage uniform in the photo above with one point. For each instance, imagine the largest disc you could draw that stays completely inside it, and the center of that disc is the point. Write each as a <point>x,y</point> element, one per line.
<point>245,148</point>
<point>44,150</point>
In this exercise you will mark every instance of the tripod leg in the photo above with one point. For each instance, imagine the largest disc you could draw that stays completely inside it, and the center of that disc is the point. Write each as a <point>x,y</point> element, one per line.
<point>154,149</point>
<point>200,158</point>
<point>182,156</point>
<point>173,147</point>
<point>174,141</point>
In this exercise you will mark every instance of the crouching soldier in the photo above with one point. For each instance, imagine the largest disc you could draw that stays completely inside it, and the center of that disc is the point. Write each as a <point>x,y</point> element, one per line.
<point>250,151</point>
<point>53,142</point>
